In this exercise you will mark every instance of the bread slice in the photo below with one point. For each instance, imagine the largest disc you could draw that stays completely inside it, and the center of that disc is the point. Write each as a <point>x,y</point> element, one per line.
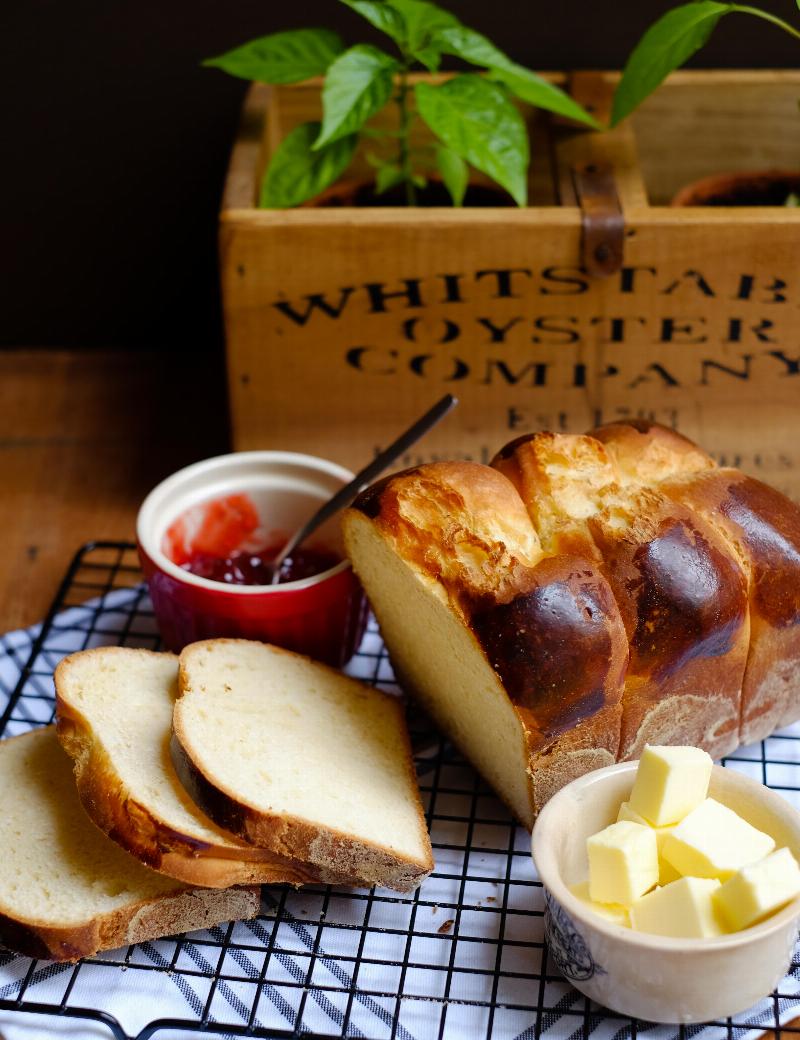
<point>66,891</point>
<point>114,711</point>
<point>519,656</point>
<point>299,759</point>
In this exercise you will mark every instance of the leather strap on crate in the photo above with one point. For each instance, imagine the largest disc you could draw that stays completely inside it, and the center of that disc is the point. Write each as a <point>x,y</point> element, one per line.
<point>599,172</point>
<point>602,222</point>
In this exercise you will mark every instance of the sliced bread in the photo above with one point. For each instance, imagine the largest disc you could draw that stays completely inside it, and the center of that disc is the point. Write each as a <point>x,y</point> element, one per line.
<point>66,891</point>
<point>302,760</point>
<point>114,710</point>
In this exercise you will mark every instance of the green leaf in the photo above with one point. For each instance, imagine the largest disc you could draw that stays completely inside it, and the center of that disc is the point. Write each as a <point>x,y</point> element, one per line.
<point>476,119</point>
<point>472,46</point>
<point>422,19</point>
<point>666,45</point>
<point>284,57</point>
<point>430,57</point>
<point>535,90</point>
<point>358,84</point>
<point>388,177</point>
<point>298,172</point>
<point>382,15</point>
<point>792,199</point>
<point>455,173</point>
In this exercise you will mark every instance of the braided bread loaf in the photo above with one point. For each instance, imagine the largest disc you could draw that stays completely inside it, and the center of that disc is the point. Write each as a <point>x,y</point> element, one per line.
<point>583,596</point>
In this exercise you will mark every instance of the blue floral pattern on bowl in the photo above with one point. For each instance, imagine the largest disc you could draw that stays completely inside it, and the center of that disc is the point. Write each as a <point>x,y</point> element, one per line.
<point>567,946</point>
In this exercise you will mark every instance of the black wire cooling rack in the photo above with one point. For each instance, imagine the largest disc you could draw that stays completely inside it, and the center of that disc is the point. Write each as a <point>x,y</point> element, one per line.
<point>464,956</point>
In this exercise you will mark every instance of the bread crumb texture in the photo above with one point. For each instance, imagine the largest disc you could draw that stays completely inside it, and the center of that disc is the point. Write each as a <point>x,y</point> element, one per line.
<point>304,757</point>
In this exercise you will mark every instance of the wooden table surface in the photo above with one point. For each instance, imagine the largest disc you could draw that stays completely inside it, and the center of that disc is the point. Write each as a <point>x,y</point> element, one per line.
<point>83,437</point>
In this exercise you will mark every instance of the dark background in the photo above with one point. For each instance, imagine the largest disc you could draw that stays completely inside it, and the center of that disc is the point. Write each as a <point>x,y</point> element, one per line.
<point>116,143</point>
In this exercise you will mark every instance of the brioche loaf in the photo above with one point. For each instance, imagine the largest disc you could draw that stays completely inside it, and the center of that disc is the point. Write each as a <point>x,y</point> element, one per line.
<point>66,891</point>
<point>301,760</point>
<point>515,652</point>
<point>114,712</point>
<point>584,595</point>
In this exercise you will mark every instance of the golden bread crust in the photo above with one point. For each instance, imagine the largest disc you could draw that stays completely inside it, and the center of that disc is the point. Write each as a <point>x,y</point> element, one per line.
<point>536,619</point>
<point>647,452</point>
<point>698,568</point>
<point>182,911</point>
<point>65,922</point>
<point>763,526</point>
<point>560,650</point>
<point>461,523</point>
<point>140,831</point>
<point>679,588</point>
<point>762,530</point>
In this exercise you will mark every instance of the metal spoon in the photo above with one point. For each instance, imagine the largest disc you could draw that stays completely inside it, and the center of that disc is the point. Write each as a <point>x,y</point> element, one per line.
<point>345,495</point>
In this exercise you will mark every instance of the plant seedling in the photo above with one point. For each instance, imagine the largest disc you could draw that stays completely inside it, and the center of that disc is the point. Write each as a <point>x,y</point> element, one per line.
<point>473,118</point>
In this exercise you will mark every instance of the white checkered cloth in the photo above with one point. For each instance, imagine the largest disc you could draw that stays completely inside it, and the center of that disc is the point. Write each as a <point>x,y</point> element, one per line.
<point>463,957</point>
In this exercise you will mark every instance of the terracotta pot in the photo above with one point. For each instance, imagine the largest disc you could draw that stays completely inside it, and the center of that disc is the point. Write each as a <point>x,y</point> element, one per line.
<point>759,188</point>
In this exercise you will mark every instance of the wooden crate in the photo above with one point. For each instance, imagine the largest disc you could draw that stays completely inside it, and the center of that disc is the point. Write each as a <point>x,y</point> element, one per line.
<point>344,324</point>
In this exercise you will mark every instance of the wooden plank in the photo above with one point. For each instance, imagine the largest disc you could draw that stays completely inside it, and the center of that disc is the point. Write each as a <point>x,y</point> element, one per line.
<point>701,123</point>
<point>246,157</point>
<point>83,436</point>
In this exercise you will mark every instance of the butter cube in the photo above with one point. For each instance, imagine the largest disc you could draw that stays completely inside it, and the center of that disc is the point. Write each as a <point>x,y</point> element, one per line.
<point>627,812</point>
<point>670,782</point>
<point>623,863</point>
<point>685,910</point>
<point>758,890</point>
<point>610,911</point>
<point>713,842</point>
<point>666,872</point>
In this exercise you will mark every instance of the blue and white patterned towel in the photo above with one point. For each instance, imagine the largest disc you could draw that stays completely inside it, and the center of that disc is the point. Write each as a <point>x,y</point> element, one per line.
<point>463,957</point>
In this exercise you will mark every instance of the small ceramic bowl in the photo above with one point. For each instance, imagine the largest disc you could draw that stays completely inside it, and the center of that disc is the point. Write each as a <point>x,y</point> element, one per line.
<point>323,616</point>
<point>652,977</point>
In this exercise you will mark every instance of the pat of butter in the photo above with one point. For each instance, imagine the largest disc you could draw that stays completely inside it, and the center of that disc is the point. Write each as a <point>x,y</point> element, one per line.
<point>685,909</point>
<point>623,863</point>
<point>670,782</point>
<point>759,890</point>
<point>626,812</point>
<point>666,872</point>
<point>610,911</point>
<point>713,842</point>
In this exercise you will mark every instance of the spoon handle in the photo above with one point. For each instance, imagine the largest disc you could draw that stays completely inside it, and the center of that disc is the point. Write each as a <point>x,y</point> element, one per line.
<point>345,495</point>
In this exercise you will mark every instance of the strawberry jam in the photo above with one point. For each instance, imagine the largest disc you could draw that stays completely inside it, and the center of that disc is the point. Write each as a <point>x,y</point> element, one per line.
<point>223,541</point>
<point>243,567</point>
